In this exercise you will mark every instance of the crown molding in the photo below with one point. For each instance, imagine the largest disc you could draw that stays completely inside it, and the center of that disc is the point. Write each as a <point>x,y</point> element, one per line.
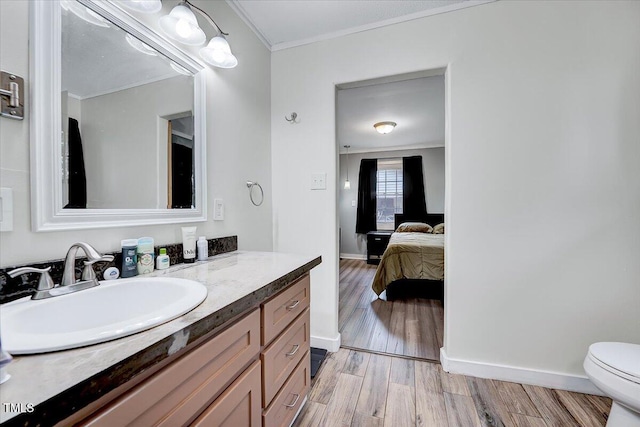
<point>239,10</point>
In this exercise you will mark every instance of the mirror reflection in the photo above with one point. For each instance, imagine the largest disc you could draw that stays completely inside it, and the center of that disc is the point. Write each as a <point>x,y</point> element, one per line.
<point>127,119</point>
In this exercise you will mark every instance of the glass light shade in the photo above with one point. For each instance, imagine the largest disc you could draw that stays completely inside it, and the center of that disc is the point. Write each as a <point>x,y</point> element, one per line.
<point>181,25</point>
<point>140,46</point>
<point>218,53</point>
<point>178,69</point>
<point>84,13</point>
<point>384,127</point>
<point>347,185</point>
<point>144,6</point>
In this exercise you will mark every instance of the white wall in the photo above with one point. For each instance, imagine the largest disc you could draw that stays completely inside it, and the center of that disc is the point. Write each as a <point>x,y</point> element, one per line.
<point>543,183</point>
<point>433,175</point>
<point>128,128</point>
<point>238,146</point>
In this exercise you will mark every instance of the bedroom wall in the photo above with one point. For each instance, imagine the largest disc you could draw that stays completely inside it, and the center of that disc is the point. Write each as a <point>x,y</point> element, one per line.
<point>542,177</point>
<point>238,135</point>
<point>354,245</point>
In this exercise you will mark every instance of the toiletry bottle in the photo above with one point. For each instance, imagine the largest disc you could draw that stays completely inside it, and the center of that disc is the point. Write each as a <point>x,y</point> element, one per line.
<point>129,268</point>
<point>203,248</point>
<point>145,255</point>
<point>189,244</point>
<point>162,261</point>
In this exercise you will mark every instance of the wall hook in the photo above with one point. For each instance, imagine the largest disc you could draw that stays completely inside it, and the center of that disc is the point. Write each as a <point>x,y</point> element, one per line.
<point>293,118</point>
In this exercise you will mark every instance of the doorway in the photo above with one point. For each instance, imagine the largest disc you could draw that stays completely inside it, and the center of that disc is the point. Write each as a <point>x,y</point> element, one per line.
<point>415,103</point>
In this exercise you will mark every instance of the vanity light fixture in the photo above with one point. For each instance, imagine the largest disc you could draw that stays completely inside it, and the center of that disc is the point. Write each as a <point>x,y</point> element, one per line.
<point>182,25</point>
<point>144,6</point>
<point>84,13</point>
<point>140,46</point>
<point>384,127</point>
<point>178,69</point>
<point>347,183</point>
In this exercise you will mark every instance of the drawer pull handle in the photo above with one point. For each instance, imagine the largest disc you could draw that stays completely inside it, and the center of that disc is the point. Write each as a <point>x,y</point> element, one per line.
<point>294,401</point>
<point>377,239</point>
<point>294,305</point>
<point>294,351</point>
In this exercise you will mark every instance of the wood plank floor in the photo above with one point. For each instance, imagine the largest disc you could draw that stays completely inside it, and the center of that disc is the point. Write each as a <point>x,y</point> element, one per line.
<point>411,327</point>
<point>355,388</point>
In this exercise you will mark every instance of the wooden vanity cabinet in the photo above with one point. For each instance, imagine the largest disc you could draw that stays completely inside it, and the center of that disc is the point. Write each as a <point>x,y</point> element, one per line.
<point>177,394</point>
<point>256,372</point>
<point>285,356</point>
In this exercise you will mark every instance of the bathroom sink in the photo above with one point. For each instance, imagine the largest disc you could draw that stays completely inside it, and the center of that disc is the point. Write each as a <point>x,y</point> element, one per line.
<point>112,310</point>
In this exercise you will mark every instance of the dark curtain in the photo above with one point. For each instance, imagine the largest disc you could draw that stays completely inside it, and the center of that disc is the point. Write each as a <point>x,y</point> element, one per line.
<point>367,182</point>
<point>181,173</point>
<point>414,205</point>
<point>77,175</point>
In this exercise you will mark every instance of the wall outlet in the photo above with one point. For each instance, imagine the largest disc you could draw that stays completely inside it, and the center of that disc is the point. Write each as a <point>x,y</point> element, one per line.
<point>318,181</point>
<point>218,210</point>
<point>6,209</point>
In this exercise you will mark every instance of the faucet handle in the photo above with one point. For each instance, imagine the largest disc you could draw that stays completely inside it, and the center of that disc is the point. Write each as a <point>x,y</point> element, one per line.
<point>87,271</point>
<point>44,283</point>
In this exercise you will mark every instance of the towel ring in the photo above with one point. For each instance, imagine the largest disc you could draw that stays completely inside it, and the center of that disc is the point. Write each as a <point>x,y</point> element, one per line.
<point>250,185</point>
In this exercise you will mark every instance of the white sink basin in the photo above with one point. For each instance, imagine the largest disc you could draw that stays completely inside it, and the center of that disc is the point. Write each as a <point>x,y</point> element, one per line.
<point>112,310</point>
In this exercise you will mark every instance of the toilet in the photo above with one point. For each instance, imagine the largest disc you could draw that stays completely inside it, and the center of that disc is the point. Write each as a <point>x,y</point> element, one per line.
<point>614,368</point>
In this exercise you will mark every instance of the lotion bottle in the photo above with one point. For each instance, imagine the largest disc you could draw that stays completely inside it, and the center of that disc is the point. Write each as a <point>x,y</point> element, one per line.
<point>162,261</point>
<point>203,248</point>
<point>189,244</point>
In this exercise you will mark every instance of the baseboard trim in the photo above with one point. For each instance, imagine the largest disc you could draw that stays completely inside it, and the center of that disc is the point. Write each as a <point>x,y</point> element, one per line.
<point>330,344</point>
<point>353,256</point>
<point>518,375</point>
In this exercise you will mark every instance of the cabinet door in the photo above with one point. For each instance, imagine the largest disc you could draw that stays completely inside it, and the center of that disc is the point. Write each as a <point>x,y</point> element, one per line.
<point>282,356</point>
<point>281,310</point>
<point>238,406</point>
<point>290,397</point>
<point>176,394</point>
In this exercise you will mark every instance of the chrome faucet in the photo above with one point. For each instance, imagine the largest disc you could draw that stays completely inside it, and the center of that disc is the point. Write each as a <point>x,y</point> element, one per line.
<point>93,256</point>
<point>46,288</point>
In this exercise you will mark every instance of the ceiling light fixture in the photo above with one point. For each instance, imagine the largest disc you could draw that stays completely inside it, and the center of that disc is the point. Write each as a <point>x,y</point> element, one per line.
<point>144,6</point>
<point>182,25</point>
<point>347,183</point>
<point>384,127</point>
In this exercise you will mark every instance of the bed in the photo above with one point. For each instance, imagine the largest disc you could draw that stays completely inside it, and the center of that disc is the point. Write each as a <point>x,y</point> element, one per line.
<point>413,263</point>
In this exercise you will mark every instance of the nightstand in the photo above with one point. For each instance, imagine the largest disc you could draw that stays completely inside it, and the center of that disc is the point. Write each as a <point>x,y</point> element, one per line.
<point>377,242</point>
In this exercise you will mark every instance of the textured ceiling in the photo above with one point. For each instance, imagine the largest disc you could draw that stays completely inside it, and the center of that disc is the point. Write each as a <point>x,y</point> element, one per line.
<point>98,60</point>
<point>285,23</point>
<point>416,105</point>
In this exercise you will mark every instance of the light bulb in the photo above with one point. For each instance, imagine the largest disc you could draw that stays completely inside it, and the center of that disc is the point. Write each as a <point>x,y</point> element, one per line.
<point>183,28</point>
<point>181,25</point>
<point>347,185</point>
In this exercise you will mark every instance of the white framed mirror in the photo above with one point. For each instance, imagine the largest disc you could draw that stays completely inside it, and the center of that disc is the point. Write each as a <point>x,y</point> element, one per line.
<point>117,121</point>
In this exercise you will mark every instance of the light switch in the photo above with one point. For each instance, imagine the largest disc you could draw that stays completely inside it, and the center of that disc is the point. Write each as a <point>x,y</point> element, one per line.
<point>353,203</point>
<point>218,210</point>
<point>6,209</point>
<point>318,181</point>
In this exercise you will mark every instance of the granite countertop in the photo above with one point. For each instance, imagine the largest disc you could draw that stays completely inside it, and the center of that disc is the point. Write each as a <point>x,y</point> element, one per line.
<point>58,384</point>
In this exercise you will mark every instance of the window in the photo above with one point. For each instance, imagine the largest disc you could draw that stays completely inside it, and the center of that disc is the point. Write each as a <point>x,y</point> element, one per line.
<point>388,192</point>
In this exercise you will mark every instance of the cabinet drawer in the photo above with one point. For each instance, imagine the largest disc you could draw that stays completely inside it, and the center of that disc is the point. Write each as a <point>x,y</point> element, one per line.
<point>287,402</point>
<point>278,312</point>
<point>283,355</point>
<point>238,406</point>
<point>178,393</point>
